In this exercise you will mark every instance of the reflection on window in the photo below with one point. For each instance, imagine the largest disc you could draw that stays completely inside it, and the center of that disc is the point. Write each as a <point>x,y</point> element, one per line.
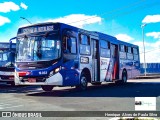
<point>3,57</point>
<point>135,50</point>
<point>85,49</point>
<point>70,45</point>
<point>84,44</point>
<point>129,50</point>
<point>84,39</point>
<point>104,44</point>
<point>105,53</point>
<point>38,48</point>
<point>122,48</point>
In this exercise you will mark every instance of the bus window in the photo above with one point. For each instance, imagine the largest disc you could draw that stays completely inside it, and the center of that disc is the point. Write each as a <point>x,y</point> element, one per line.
<point>135,51</point>
<point>129,50</point>
<point>4,57</point>
<point>122,49</point>
<point>84,44</point>
<point>105,52</point>
<point>84,39</point>
<point>69,45</point>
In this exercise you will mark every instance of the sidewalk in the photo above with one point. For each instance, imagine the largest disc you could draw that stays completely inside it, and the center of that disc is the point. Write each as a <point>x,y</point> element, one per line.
<point>148,76</point>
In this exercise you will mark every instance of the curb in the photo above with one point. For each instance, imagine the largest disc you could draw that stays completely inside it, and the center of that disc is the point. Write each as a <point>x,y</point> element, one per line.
<point>147,77</point>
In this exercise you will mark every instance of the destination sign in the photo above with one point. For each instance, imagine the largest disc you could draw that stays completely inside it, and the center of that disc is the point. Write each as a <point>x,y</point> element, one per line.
<point>37,29</point>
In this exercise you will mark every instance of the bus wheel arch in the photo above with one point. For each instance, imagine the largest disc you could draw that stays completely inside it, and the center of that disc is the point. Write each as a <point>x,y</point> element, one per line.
<point>84,79</point>
<point>47,88</point>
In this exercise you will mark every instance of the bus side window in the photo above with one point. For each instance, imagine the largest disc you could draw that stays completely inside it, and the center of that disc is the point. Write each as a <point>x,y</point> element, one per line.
<point>84,41</point>
<point>69,45</point>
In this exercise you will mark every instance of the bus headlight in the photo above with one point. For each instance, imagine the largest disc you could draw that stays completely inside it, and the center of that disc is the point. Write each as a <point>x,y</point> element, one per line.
<point>54,71</point>
<point>57,70</point>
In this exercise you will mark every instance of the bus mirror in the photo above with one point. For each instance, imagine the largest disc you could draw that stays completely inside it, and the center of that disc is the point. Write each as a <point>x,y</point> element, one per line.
<point>12,56</point>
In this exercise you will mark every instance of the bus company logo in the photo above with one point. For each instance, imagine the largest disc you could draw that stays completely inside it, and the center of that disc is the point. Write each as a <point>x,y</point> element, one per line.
<point>104,62</point>
<point>138,102</point>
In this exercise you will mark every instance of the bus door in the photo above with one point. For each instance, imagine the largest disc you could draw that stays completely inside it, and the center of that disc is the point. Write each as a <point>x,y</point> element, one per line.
<point>114,61</point>
<point>95,60</point>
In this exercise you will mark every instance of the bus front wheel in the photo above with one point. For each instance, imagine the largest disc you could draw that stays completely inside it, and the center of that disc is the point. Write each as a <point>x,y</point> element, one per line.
<point>83,82</point>
<point>47,88</point>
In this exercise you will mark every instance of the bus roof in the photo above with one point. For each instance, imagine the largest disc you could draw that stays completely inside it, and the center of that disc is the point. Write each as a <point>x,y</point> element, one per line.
<point>113,40</point>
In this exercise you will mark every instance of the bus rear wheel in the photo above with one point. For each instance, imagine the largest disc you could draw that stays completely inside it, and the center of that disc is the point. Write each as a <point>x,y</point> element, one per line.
<point>124,76</point>
<point>83,82</point>
<point>47,88</point>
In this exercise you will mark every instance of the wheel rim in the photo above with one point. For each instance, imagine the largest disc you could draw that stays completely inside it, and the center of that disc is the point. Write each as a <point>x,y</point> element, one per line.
<point>83,82</point>
<point>124,78</point>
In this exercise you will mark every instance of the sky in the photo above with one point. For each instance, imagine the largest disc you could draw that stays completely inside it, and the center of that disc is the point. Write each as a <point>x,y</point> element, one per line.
<point>120,18</point>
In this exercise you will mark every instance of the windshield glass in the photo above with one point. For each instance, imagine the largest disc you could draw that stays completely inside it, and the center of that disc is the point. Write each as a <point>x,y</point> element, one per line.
<point>3,57</point>
<point>38,48</point>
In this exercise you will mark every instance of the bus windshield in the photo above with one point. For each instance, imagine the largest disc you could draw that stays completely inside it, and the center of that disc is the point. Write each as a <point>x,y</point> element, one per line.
<point>38,48</point>
<point>3,56</point>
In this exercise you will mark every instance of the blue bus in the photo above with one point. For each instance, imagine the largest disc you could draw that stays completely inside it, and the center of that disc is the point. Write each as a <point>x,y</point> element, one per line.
<point>57,54</point>
<point>7,60</point>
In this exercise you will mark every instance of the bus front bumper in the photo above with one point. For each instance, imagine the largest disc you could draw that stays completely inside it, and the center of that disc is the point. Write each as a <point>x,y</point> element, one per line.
<point>56,80</point>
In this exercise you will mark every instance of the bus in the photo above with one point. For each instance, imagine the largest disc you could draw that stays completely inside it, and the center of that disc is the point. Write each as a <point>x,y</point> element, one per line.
<point>56,54</point>
<point>7,59</point>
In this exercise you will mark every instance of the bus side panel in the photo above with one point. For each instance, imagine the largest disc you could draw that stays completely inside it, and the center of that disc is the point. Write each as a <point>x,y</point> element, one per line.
<point>85,63</point>
<point>105,69</point>
<point>136,66</point>
<point>70,74</point>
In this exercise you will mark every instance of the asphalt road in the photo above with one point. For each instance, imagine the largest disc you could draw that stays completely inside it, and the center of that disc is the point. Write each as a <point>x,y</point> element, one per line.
<point>107,97</point>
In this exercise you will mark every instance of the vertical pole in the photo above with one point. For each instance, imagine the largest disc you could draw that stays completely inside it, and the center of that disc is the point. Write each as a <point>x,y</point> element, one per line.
<point>144,48</point>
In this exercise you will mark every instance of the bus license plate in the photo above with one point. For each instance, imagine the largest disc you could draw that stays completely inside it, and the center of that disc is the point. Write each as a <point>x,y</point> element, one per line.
<point>31,80</point>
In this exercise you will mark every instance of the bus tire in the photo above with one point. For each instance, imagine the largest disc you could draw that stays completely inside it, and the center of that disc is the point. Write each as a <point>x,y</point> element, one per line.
<point>83,82</point>
<point>124,76</point>
<point>47,88</point>
<point>12,84</point>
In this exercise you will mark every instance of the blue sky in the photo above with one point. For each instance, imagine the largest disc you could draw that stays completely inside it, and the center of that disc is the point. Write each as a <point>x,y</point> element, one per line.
<point>119,18</point>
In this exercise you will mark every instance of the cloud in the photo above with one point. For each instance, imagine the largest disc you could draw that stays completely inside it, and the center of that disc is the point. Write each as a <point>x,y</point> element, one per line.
<point>124,37</point>
<point>24,6</point>
<point>8,6</point>
<point>151,19</point>
<point>155,35</point>
<point>4,20</point>
<point>78,20</point>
